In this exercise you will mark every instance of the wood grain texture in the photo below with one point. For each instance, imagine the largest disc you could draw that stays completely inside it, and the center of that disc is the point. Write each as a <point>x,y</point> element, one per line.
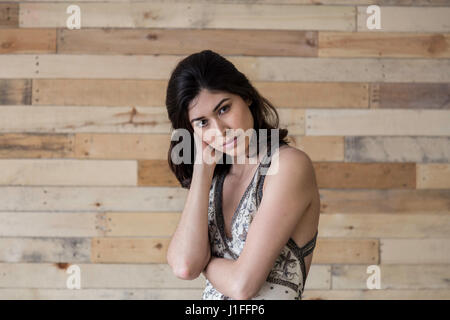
<point>408,19</point>
<point>382,44</point>
<point>433,176</point>
<point>118,92</point>
<point>68,172</point>
<point>27,41</point>
<point>415,251</point>
<point>377,122</point>
<point>158,67</point>
<point>397,149</point>
<point>15,92</point>
<point>186,41</point>
<point>410,95</point>
<point>9,15</point>
<point>194,15</point>
<point>154,250</point>
<point>42,249</point>
<point>393,201</point>
<point>92,199</point>
<point>393,276</point>
<point>365,175</point>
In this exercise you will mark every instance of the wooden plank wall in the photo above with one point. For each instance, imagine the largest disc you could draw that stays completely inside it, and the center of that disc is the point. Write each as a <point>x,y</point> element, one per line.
<point>84,136</point>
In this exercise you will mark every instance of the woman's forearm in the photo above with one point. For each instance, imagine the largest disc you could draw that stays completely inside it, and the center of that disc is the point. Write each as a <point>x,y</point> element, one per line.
<point>221,273</point>
<point>189,249</point>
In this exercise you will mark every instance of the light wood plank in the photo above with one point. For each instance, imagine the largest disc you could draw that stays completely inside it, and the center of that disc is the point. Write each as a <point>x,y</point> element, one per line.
<point>415,251</point>
<point>379,44</point>
<point>102,276</point>
<point>384,225</point>
<point>407,19</point>
<point>377,122</point>
<point>16,91</point>
<point>49,224</point>
<point>91,199</point>
<point>365,175</point>
<point>395,201</point>
<point>410,95</point>
<point>118,276</point>
<point>323,148</point>
<point>424,294</point>
<point>159,67</point>
<point>433,176</point>
<point>397,149</point>
<point>194,15</point>
<point>403,276</point>
<point>58,119</point>
<point>68,172</point>
<point>34,145</point>
<point>121,146</point>
<point>27,41</point>
<point>35,250</point>
<point>101,294</point>
<point>186,41</point>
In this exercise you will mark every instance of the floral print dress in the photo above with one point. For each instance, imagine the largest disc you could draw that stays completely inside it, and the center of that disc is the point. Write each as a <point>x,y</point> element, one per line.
<point>288,275</point>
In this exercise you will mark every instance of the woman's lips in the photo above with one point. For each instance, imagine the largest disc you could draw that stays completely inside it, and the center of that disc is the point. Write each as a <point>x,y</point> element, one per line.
<point>230,143</point>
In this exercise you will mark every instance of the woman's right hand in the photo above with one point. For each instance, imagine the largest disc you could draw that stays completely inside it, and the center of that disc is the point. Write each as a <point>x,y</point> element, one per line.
<point>206,156</point>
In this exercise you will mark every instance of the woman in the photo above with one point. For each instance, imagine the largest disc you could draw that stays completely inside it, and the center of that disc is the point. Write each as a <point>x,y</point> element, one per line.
<point>247,246</point>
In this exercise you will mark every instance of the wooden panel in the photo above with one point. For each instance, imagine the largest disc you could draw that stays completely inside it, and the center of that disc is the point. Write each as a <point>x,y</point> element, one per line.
<point>433,176</point>
<point>15,92</point>
<point>97,199</point>
<point>155,173</point>
<point>48,224</point>
<point>154,250</point>
<point>315,95</point>
<point>80,119</point>
<point>35,250</point>
<point>9,15</point>
<point>415,251</point>
<point>53,275</point>
<point>320,148</point>
<point>33,145</point>
<point>385,225</point>
<point>27,41</point>
<point>401,276</point>
<point>412,19</point>
<point>194,15</point>
<point>122,146</point>
<point>365,294</point>
<point>101,92</point>
<point>385,201</point>
<point>397,149</point>
<point>129,250</point>
<point>365,175</point>
<point>256,68</point>
<point>376,44</point>
<point>68,172</point>
<point>410,95</point>
<point>116,92</point>
<point>166,41</point>
<point>292,119</point>
<point>156,224</point>
<point>377,122</point>
<point>101,294</point>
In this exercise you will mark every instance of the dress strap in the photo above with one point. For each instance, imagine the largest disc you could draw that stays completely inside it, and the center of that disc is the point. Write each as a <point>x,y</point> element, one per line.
<point>309,246</point>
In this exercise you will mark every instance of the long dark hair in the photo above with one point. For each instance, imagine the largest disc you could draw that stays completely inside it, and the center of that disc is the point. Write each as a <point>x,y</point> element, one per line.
<point>209,70</point>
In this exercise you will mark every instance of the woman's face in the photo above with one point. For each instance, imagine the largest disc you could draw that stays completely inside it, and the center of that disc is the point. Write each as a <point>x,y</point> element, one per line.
<point>218,117</point>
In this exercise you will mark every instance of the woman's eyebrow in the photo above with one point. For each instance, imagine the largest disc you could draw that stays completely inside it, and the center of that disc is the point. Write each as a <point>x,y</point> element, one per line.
<point>215,108</point>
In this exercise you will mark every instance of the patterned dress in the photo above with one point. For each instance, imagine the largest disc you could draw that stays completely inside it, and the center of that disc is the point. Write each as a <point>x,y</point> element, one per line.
<point>288,275</point>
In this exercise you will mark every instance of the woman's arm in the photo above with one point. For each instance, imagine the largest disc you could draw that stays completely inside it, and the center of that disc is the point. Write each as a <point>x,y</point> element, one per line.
<point>221,273</point>
<point>189,250</point>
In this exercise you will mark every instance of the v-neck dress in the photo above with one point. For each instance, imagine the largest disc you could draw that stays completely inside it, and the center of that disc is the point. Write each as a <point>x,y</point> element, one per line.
<point>288,275</point>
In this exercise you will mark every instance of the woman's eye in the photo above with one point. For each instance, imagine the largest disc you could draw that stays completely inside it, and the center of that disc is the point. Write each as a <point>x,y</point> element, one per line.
<point>199,123</point>
<point>225,107</point>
